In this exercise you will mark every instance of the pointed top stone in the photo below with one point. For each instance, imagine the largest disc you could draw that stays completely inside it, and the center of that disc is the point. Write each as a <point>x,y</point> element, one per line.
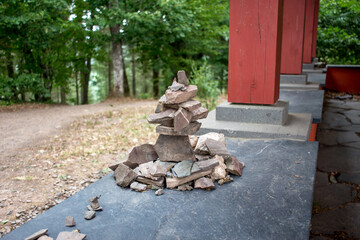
<point>181,76</point>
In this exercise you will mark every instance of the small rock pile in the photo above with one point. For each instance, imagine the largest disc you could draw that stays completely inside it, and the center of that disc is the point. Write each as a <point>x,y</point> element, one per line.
<point>178,159</point>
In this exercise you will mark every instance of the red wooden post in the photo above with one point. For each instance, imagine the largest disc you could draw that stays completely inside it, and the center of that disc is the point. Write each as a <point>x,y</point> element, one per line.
<point>254,51</point>
<point>316,18</point>
<point>309,26</point>
<point>293,36</point>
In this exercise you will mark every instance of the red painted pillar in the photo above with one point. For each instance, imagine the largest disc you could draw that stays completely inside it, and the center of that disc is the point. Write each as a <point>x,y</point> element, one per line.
<point>316,18</point>
<point>309,26</point>
<point>254,51</point>
<point>293,36</point>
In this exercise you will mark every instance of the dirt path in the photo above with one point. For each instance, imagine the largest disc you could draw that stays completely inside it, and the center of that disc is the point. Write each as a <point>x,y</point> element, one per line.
<point>50,152</point>
<point>31,126</point>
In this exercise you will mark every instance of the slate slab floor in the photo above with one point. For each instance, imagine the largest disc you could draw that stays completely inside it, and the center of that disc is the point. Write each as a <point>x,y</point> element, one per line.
<point>336,205</point>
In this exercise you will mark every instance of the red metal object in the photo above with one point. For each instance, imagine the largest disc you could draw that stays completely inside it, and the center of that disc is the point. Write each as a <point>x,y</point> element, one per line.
<point>309,27</point>
<point>254,51</point>
<point>343,78</point>
<point>316,18</point>
<point>293,36</point>
<point>312,135</point>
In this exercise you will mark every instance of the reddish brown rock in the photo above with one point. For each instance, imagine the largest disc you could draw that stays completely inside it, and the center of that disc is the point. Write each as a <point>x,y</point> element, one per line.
<point>71,236</point>
<point>181,78</point>
<point>180,96</point>
<point>233,166</point>
<point>124,175</point>
<point>185,187</point>
<point>202,157</point>
<point>208,164</point>
<point>201,146</point>
<point>174,148</point>
<point>199,113</point>
<point>190,129</point>
<point>219,171</point>
<point>114,165</point>
<point>44,237</point>
<point>141,154</point>
<point>204,183</point>
<point>189,105</point>
<point>217,148</point>
<point>161,117</point>
<point>159,182</point>
<point>69,221</point>
<point>227,179</point>
<point>37,234</point>
<point>182,119</point>
<point>174,182</point>
<point>193,140</point>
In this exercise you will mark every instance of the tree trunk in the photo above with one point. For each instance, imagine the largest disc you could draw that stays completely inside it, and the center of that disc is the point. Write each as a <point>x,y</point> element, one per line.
<point>62,95</point>
<point>126,82</point>
<point>85,82</point>
<point>77,87</point>
<point>133,74</point>
<point>109,76</point>
<point>118,67</point>
<point>155,83</point>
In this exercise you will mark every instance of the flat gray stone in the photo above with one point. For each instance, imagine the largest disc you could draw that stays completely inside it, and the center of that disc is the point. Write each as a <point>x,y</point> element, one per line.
<point>293,78</point>
<point>247,113</point>
<point>138,187</point>
<point>316,78</point>
<point>344,219</point>
<point>181,78</point>
<point>266,202</point>
<point>304,102</point>
<point>333,195</point>
<point>297,127</point>
<point>341,159</point>
<point>183,168</point>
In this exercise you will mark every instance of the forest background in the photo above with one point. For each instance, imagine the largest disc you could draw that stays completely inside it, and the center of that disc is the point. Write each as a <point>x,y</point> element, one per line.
<point>83,51</point>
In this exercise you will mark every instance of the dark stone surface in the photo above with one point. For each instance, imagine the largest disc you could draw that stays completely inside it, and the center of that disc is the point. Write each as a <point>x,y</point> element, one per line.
<point>267,202</point>
<point>342,219</point>
<point>333,195</point>
<point>340,159</point>
<point>304,102</point>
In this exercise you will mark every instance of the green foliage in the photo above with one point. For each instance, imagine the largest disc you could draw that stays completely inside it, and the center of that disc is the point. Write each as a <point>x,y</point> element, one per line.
<point>203,78</point>
<point>339,31</point>
<point>22,84</point>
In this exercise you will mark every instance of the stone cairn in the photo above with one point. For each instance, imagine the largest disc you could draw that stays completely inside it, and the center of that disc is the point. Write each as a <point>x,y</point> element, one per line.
<point>178,159</point>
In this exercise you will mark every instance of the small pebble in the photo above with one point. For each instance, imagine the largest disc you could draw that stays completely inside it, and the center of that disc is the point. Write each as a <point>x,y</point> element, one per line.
<point>159,192</point>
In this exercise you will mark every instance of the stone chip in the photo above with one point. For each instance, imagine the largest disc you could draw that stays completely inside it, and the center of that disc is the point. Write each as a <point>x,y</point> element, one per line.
<point>37,234</point>
<point>71,236</point>
<point>204,183</point>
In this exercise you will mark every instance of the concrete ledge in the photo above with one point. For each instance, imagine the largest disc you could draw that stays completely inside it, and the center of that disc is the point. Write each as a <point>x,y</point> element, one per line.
<point>307,71</point>
<point>298,79</point>
<point>308,66</point>
<point>267,114</point>
<point>296,128</point>
<point>291,86</point>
